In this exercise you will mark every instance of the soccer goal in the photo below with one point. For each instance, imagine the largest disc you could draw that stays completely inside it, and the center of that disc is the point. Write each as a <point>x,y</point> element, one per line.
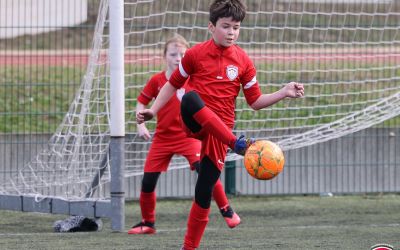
<point>346,54</point>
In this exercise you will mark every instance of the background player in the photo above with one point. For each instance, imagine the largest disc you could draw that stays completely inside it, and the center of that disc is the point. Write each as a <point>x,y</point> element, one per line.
<point>169,139</point>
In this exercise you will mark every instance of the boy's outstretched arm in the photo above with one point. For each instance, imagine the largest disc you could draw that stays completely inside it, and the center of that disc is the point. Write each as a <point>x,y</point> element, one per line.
<point>292,90</point>
<point>163,97</point>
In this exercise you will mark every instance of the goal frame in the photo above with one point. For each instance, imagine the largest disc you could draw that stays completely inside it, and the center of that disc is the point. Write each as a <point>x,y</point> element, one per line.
<point>91,207</point>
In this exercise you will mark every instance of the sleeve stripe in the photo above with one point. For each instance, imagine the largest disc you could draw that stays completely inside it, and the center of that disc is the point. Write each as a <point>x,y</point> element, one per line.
<point>144,99</point>
<point>182,71</point>
<point>145,95</point>
<point>251,83</point>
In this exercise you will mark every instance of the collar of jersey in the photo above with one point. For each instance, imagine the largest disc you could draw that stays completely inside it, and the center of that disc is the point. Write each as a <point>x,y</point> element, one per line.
<point>220,48</point>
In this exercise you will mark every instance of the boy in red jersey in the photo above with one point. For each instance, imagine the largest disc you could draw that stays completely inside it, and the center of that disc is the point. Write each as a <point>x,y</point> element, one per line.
<point>218,68</point>
<point>169,139</point>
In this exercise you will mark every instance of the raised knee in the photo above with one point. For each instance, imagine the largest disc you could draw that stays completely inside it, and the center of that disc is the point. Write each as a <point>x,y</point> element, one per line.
<point>192,102</point>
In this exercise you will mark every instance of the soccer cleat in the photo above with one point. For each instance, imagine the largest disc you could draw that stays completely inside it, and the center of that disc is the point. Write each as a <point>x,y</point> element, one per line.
<point>242,144</point>
<point>143,227</point>
<point>231,218</point>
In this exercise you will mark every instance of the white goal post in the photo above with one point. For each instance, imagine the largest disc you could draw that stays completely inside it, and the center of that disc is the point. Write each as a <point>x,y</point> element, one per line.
<point>346,54</point>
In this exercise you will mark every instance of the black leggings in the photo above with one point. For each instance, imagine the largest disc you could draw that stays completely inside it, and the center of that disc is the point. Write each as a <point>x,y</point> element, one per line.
<point>149,182</point>
<point>191,104</point>
<point>208,176</point>
<point>208,172</point>
<point>150,179</point>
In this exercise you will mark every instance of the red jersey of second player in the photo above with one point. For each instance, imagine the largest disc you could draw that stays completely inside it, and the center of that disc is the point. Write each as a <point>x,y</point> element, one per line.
<point>169,126</point>
<point>216,74</point>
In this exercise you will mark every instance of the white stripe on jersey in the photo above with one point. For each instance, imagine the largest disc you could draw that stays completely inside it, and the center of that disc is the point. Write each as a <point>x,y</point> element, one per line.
<point>182,71</point>
<point>251,83</point>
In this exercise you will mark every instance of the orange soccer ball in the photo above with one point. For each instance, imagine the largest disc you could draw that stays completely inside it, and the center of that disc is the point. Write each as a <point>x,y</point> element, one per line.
<point>264,160</point>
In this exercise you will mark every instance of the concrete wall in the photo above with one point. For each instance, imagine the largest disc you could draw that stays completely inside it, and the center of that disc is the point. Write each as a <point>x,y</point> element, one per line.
<point>367,161</point>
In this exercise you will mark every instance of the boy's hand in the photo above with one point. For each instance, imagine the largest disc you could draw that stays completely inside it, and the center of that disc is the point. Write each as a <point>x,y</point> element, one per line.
<point>143,132</point>
<point>294,90</point>
<point>144,115</point>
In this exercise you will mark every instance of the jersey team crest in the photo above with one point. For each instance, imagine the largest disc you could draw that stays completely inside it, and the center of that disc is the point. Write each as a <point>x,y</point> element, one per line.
<point>231,72</point>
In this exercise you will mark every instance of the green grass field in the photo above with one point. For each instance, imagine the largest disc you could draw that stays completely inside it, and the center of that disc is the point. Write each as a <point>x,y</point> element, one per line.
<point>289,222</point>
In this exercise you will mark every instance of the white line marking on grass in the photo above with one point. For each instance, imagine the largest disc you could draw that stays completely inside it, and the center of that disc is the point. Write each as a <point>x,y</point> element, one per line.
<point>288,227</point>
<point>216,229</point>
<point>55,234</point>
<point>341,226</point>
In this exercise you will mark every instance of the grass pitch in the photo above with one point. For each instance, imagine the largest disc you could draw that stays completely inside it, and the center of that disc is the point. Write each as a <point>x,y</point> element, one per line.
<point>289,222</point>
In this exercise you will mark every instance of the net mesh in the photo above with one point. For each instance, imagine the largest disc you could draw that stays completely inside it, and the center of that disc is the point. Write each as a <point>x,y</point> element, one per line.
<point>347,54</point>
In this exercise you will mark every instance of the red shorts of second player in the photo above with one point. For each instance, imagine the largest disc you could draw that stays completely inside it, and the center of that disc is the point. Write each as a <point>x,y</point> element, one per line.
<point>161,152</point>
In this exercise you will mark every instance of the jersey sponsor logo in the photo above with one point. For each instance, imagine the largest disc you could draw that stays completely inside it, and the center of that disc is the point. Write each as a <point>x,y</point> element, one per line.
<point>179,93</point>
<point>232,72</point>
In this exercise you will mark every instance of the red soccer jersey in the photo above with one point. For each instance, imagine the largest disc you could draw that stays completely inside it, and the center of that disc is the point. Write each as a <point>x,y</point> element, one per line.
<point>169,126</point>
<point>216,74</point>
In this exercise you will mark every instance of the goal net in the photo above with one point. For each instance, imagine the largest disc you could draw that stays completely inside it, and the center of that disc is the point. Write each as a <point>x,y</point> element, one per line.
<point>347,54</point>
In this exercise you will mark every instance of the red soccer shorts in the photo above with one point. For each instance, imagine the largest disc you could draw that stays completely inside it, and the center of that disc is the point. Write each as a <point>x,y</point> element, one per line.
<point>161,152</point>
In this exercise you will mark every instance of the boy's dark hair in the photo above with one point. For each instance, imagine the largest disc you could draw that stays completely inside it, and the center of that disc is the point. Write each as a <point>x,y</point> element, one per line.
<point>227,8</point>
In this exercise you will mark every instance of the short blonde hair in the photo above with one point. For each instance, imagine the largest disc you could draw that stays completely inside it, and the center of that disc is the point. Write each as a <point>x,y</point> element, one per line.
<point>176,39</point>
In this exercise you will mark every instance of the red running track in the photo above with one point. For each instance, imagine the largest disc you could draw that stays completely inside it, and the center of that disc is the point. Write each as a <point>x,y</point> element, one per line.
<point>80,59</point>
